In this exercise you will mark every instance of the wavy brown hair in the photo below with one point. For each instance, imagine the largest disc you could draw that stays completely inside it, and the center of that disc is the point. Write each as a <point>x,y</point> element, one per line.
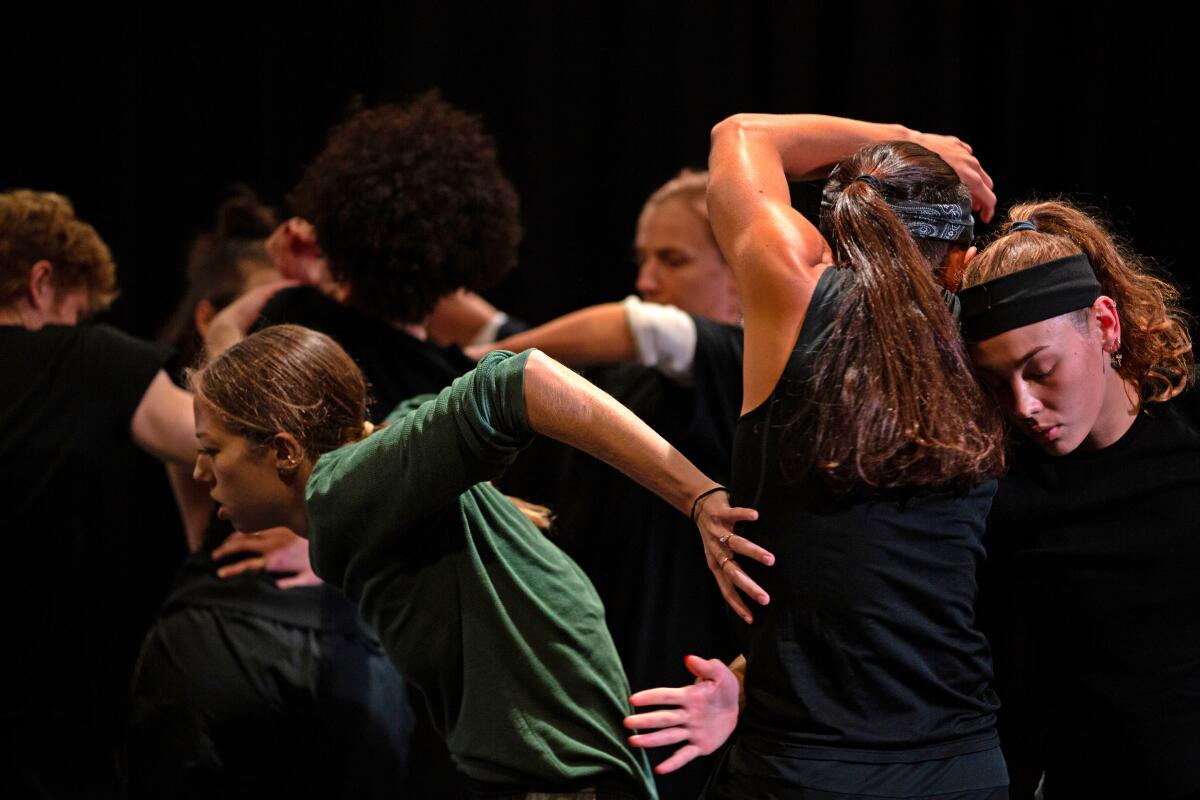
<point>43,225</point>
<point>1155,343</point>
<point>893,404</point>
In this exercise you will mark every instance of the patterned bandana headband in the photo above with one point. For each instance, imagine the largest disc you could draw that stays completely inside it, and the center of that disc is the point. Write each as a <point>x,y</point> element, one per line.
<point>1028,296</point>
<point>949,222</point>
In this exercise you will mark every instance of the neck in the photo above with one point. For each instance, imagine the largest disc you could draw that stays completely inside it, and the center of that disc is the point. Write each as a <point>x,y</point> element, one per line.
<point>1117,412</point>
<point>298,521</point>
<point>22,315</point>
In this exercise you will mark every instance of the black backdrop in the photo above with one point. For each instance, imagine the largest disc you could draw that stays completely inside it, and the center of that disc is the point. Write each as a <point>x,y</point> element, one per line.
<point>144,116</point>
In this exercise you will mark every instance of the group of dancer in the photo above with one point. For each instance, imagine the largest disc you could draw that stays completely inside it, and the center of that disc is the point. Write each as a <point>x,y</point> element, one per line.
<point>959,538</point>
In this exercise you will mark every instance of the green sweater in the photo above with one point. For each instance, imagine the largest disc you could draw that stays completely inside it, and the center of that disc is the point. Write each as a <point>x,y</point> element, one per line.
<point>498,628</point>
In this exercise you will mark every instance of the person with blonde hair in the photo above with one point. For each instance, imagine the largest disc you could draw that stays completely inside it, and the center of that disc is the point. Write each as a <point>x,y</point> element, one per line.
<point>1094,597</point>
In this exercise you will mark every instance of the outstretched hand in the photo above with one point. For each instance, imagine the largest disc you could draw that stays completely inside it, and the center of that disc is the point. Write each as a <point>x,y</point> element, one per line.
<point>702,716</point>
<point>716,519</point>
<point>959,156</point>
<point>277,549</point>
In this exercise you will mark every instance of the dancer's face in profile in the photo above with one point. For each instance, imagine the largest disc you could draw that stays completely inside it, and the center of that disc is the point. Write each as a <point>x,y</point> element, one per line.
<point>251,483</point>
<point>679,263</point>
<point>1054,381</point>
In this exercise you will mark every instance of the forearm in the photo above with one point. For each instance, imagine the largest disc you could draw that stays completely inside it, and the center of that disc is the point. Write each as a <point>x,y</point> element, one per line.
<point>807,145</point>
<point>565,407</point>
<point>195,505</point>
<point>753,156</point>
<point>595,335</point>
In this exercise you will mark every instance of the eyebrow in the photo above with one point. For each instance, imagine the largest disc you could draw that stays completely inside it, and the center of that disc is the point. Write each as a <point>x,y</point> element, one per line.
<point>1031,354</point>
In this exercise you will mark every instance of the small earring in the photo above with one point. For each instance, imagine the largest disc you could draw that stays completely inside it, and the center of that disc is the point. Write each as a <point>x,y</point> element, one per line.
<point>1117,357</point>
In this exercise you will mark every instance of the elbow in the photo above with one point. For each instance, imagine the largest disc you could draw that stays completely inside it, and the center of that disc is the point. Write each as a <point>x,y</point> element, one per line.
<point>729,127</point>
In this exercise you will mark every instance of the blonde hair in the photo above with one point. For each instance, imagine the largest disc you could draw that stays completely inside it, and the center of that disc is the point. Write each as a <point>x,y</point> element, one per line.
<point>1156,346</point>
<point>38,226</point>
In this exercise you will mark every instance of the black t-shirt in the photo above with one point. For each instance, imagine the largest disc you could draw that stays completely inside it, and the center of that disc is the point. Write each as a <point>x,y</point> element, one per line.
<point>68,397</point>
<point>1096,560</point>
<point>868,651</point>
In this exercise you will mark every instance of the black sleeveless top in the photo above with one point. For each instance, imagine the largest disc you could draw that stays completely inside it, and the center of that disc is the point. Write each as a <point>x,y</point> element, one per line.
<point>868,651</point>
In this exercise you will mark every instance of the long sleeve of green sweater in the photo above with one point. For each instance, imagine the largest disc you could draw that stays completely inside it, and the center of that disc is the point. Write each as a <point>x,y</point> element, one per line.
<point>500,630</point>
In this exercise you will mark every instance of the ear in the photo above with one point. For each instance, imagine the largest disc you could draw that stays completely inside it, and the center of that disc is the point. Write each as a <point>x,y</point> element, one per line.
<point>1108,323</point>
<point>41,287</point>
<point>972,251</point>
<point>202,316</point>
<point>287,453</point>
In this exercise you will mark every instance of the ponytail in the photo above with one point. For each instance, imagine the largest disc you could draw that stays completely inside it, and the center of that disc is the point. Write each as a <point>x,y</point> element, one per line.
<point>894,404</point>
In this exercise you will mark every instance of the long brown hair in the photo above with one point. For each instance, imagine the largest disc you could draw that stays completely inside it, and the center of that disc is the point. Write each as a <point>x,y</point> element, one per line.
<point>1156,346</point>
<point>290,378</point>
<point>893,404</point>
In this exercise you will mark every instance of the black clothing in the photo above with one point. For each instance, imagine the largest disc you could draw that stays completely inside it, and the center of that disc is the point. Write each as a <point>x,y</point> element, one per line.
<point>68,398</point>
<point>676,608</point>
<point>868,652</point>
<point>340,728</point>
<point>1096,557</point>
<point>397,366</point>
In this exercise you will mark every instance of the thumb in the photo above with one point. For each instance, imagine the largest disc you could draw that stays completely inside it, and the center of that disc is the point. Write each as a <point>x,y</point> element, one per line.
<point>705,669</point>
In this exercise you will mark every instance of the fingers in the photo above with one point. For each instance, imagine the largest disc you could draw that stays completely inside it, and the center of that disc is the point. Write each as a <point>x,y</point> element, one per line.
<point>665,718</point>
<point>744,547</point>
<point>680,757</point>
<point>659,738</point>
<point>709,669</point>
<point>303,579</point>
<point>733,599</point>
<point>238,543</point>
<point>743,582</point>
<point>657,697</point>
<point>246,565</point>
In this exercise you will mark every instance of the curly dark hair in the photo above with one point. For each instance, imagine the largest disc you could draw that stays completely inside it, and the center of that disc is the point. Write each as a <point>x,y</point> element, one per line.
<point>409,205</point>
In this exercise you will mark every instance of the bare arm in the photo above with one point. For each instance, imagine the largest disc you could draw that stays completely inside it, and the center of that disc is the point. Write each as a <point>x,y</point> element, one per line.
<point>776,254</point>
<point>163,424</point>
<point>195,505</point>
<point>459,318</point>
<point>595,335</point>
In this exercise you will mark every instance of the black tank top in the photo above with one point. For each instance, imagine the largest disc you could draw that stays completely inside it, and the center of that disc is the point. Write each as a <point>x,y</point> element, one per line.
<point>868,650</point>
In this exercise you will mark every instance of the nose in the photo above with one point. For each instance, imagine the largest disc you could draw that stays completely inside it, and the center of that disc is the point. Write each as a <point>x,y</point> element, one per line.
<point>199,473</point>
<point>1025,403</point>
<point>647,280</point>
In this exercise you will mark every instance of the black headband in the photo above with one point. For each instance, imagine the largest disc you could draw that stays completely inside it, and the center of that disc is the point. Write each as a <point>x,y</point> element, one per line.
<point>949,222</point>
<point>1028,296</point>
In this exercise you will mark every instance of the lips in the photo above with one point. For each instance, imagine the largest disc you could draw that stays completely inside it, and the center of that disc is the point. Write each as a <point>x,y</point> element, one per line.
<point>1046,433</point>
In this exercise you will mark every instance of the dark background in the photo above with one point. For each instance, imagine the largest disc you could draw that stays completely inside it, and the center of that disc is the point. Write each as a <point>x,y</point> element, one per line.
<point>143,116</point>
